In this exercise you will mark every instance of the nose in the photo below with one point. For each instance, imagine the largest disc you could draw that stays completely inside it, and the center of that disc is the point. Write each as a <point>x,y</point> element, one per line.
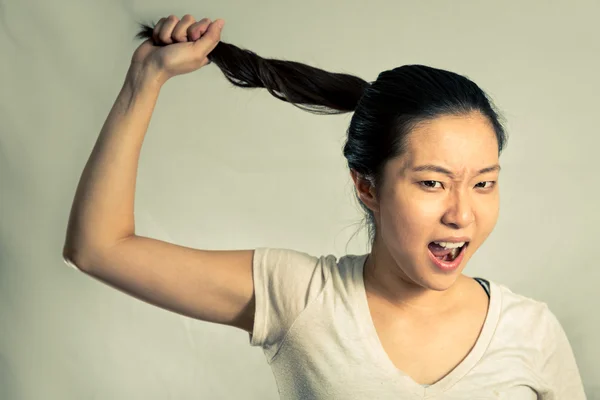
<point>459,212</point>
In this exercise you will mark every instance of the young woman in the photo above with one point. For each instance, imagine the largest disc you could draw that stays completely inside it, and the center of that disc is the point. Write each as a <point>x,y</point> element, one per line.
<point>401,322</point>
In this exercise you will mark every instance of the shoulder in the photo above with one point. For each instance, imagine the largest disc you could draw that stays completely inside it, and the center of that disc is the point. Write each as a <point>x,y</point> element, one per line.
<point>285,282</point>
<point>289,261</point>
<point>291,275</point>
<point>516,302</point>
<point>526,315</point>
<point>301,261</point>
<point>531,333</point>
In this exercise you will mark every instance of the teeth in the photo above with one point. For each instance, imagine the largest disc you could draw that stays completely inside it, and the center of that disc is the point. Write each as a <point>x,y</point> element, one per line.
<point>454,253</point>
<point>450,245</point>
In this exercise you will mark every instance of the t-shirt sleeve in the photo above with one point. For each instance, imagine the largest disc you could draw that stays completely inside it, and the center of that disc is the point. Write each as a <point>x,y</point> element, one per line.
<point>559,368</point>
<point>285,282</point>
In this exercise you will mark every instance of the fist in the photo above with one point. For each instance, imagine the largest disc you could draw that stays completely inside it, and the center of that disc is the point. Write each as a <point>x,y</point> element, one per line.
<point>178,46</point>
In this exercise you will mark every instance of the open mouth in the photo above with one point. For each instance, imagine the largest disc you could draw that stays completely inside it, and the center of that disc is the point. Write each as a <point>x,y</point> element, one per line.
<point>447,251</point>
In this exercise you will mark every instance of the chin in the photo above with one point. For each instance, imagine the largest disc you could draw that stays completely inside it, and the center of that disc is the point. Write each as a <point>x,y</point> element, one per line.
<point>441,282</point>
<point>434,278</point>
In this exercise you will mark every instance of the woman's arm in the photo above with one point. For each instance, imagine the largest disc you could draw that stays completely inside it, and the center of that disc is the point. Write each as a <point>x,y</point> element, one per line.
<point>214,286</point>
<point>102,210</point>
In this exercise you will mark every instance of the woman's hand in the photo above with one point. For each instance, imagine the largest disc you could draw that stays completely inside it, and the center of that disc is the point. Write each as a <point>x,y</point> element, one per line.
<point>178,46</point>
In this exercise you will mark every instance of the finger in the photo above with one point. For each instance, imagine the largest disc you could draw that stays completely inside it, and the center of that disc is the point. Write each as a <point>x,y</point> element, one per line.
<point>211,38</point>
<point>180,31</point>
<point>156,30</point>
<point>166,29</point>
<point>198,29</point>
<point>205,62</point>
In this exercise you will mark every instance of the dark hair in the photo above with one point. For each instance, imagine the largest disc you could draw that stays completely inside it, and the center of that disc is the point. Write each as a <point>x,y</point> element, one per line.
<point>385,110</point>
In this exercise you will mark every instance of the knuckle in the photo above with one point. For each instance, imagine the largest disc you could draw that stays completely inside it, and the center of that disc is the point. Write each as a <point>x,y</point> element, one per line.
<point>179,37</point>
<point>164,37</point>
<point>158,25</point>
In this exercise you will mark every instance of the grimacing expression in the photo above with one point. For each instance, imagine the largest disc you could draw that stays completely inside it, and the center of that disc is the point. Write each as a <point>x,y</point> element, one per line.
<point>420,203</point>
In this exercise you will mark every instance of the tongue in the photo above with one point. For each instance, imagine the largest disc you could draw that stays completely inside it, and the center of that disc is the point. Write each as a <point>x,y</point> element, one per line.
<point>438,250</point>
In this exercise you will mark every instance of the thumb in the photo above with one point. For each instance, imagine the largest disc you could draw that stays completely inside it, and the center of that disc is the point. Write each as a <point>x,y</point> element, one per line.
<point>211,37</point>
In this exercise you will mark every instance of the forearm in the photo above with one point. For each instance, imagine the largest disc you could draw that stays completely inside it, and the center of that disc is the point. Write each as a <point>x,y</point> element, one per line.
<point>102,210</point>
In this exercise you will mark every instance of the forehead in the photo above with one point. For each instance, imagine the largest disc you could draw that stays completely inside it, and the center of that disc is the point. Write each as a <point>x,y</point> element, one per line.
<point>460,143</point>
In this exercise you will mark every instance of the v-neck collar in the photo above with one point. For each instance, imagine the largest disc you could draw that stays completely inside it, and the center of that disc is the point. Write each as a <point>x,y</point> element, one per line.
<point>472,358</point>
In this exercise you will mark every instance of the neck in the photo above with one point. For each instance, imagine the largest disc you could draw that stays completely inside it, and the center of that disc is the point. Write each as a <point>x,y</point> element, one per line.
<point>385,279</point>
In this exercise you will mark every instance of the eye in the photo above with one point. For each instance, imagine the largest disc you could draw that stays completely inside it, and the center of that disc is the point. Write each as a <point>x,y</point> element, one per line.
<point>430,184</point>
<point>491,184</point>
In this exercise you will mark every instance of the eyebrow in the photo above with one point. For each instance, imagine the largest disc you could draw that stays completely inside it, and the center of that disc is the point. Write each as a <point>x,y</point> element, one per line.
<point>442,170</point>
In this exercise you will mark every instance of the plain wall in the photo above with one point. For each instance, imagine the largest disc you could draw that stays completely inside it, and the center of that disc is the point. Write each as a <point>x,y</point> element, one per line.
<point>229,168</point>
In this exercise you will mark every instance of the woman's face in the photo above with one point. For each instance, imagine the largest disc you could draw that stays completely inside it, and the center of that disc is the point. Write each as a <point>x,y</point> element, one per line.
<point>445,185</point>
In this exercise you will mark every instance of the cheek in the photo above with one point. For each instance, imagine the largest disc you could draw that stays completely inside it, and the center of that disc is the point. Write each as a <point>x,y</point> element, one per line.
<point>487,213</point>
<point>487,224</point>
<point>406,221</point>
<point>486,216</point>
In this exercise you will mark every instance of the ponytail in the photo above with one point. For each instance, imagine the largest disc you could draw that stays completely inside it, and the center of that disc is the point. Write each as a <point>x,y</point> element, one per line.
<point>308,88</point>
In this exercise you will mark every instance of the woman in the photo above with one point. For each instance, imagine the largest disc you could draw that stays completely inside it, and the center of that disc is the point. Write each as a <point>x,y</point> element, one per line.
<point>401,322</point>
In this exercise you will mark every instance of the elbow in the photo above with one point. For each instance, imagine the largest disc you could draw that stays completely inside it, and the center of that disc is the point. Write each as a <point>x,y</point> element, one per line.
<point>69,261</point>
<point>75,256</point>
<point>80,258</point>
<point>71,258</point>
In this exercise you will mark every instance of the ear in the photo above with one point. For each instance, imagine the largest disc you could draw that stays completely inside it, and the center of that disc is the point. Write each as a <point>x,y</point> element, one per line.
<point>365,190</point>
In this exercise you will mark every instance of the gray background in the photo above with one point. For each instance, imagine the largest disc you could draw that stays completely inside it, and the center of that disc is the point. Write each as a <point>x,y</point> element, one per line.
<point>225,168</point>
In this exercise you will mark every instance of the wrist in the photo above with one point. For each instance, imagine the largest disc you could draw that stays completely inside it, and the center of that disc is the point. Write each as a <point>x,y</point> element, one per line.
<point>140,75</point>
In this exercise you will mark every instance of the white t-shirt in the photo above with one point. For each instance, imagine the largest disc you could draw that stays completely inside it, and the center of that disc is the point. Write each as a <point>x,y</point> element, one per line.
<point>313,323</point>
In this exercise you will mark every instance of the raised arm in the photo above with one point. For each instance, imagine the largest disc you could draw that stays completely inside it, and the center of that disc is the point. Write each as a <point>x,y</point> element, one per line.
<point>214,286</point>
